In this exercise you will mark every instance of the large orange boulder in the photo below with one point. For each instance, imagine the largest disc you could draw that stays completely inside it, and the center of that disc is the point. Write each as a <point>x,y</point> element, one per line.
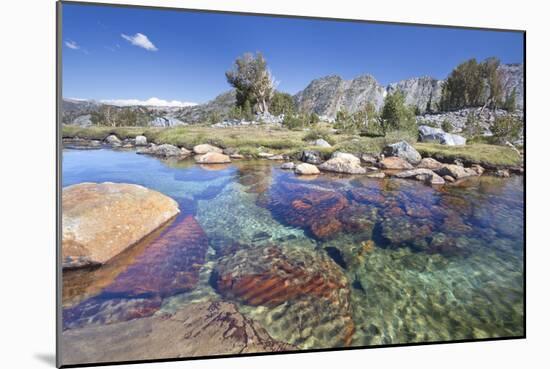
<point>100,220</point>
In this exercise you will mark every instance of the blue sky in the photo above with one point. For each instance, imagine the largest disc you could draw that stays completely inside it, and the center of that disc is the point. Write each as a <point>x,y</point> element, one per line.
<point>132,53</point>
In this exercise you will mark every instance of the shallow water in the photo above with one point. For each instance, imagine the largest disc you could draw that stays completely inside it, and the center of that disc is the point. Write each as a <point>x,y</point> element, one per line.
<point>419,263</point>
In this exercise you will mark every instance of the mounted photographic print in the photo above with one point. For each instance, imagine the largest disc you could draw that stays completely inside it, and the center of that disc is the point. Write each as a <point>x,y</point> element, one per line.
<point>235,184</point>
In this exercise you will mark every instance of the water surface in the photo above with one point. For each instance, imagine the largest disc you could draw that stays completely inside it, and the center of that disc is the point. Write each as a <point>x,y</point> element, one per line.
<point>421,263</point>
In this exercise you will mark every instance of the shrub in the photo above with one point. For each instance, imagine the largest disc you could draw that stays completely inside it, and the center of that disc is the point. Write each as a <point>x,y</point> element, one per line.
<point>214,118</point>
<point>294,121</point>
<point>447,126</point>
<point>472,127</point>
<point>396,115</point>
<point>317,133</point>
<point>506,128</point>
<point>313,118</point>
<point>282,103</point>
<point>510,101</point>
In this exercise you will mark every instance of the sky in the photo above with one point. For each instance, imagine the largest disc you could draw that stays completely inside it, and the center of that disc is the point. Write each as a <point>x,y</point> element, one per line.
<point>120,53</point>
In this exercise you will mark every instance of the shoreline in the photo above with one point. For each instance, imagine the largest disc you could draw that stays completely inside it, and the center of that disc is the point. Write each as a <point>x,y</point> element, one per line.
<point>489,159</point>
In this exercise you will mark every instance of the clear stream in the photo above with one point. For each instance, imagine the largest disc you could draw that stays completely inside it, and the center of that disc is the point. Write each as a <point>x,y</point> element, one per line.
<point>462,279</point>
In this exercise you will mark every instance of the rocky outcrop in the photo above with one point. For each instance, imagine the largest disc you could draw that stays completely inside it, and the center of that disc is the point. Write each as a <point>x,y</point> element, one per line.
<point>423,93</point>
<point>212,158</point>
<point>326,96</point>
<point>437,135</point>
<point>100,220</point>
<point>513,80</point>
<point>274,275</point>
<point>458,118</point>
<point>165,151</point>
<point>306,169</point>
<point>289,165</point>
<point>198,329</point>
<point>166,121</point>
<point>343,163</point>
<point>404,151</point>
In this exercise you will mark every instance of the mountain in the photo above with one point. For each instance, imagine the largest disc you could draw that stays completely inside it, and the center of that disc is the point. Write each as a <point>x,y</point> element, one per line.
<point>326,95</point>
<point>220,106</point>
<point>85,112</point>
<point>80,112</point>
<point>512,77</point>
<point>422,92</point>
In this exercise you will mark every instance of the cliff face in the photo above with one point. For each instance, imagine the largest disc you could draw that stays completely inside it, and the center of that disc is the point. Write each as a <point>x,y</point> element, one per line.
<point>423,92</point>
<point>513,79</point>
<point>325,96</point>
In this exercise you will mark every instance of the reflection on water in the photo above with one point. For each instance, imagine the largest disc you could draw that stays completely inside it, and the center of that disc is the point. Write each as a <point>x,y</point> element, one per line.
<point>407,262</point>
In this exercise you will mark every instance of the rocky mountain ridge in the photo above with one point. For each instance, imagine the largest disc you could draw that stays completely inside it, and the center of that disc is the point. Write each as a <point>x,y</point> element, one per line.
<point>324,96</point>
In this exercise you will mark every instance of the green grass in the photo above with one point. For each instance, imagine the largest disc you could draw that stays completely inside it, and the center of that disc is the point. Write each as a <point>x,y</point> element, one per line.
<point>99,133</point>
<point>484,154</point>
<point>253,140</point>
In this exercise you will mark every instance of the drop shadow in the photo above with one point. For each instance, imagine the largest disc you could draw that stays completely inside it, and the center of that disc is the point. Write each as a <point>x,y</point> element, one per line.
<point>46,358</point>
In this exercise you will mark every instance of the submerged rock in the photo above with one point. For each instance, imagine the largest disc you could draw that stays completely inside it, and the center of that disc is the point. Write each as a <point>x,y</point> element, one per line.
<point>212,158</point>
<point>289,165</point>
<point>504,173</point>
<point>170,265</point>
<point>198,329</point>
<point>404,151</point>
<point>308,207</point>
<point>378,175</point>
<point>422,174</point>
<point>306,169</point>
<point>343,163</point>
<point>100,220</point>
<point>275,275</point>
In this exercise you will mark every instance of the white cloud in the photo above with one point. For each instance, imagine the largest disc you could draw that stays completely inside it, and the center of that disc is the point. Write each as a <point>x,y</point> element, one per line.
<point>140,40</point>
<point>72,45</point>
<point>153,101</point>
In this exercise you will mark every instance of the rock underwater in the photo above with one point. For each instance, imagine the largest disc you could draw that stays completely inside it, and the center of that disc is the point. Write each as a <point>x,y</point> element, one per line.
<point>168,266</point>
<point>290,277</point>
<point>198,329</point>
